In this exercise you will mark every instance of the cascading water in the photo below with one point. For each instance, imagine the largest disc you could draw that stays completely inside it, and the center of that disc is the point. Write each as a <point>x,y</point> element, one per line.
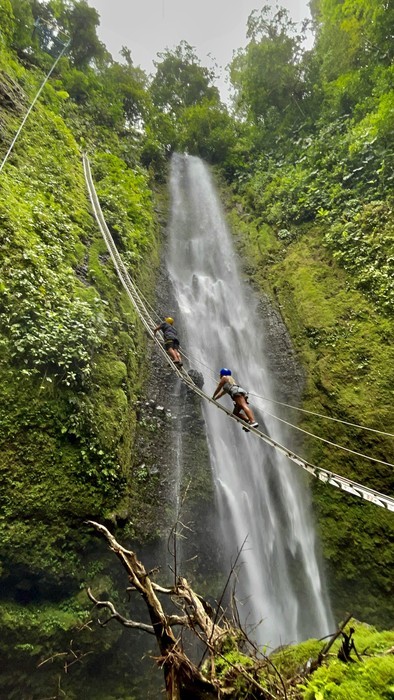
<point>261,497</point>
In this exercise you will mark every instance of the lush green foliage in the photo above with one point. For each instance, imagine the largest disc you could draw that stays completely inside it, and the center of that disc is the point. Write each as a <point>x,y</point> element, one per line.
<point>371,679</point>
<point>55,325</point>
<point>71,349</point>
<point>180,81</point>
<point>310,155</point>
<point>207,129</point>
<point>267,74</point>
<point>369,676</point>
<point>314,186</point>
<point>6,21</point>
<point>191,116</point>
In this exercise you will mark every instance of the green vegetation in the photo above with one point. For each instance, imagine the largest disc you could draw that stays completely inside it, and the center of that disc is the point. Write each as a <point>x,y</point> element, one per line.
<point>306,160</point>
<point>71,346</point>
<point>371,676</point>
<point>373,679</point>
<point>312,198</point>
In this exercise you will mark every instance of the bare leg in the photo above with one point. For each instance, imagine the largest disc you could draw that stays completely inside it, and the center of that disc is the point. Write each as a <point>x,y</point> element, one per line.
<point>240,413</point>
<point>174,354</point>
<point>243,406</point>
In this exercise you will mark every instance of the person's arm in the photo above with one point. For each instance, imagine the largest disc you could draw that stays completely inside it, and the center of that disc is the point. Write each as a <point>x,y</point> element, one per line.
<point>158,328</point>
<point>218,393</point>
<point>218,396</point>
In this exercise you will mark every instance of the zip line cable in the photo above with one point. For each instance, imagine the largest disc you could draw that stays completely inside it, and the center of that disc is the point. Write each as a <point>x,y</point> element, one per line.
<point>38,93</point>
<point>322,415</point>
<point>323,475</point>
<point>281,403</point>
<point>282,420</point>
<point>328,442</point>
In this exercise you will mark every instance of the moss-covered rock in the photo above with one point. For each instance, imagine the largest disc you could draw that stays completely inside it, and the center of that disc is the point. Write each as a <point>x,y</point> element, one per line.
<point>72,368</point>
<point>345,347</point>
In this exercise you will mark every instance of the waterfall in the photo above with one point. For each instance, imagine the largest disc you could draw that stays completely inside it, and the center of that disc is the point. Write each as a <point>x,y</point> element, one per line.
<point>262,498</point>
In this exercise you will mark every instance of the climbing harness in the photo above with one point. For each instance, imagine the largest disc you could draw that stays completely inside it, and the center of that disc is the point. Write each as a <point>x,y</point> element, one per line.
<point>140,306</point>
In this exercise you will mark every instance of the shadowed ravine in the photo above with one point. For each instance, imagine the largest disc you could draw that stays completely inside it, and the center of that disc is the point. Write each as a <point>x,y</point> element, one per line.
<point>261,498</point>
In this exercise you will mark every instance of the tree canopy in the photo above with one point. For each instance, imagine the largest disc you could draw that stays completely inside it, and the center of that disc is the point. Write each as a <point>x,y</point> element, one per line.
<point>181,81</point>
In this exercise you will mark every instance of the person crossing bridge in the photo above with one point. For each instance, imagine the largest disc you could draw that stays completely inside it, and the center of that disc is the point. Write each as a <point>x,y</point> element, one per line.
<point>228,385</point>
<point>171,340</point>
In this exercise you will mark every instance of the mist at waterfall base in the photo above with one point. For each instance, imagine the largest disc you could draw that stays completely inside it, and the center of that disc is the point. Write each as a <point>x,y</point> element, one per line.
<point>262,498</point>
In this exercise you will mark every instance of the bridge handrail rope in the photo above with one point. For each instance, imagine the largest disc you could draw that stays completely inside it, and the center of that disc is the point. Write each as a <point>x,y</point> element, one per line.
<point>288,423</point>
<point>328,442</point>
<point>281,403</point>
<point>323,475</point>
<point>295,408</point>
<point>297,427</point>
<point>322,415</point>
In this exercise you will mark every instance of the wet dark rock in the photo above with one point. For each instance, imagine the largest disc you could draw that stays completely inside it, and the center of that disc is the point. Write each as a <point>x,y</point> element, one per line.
<point>11,94</point>
<point>282,361</point>
<point>82,271</point>
<point>197,377</point>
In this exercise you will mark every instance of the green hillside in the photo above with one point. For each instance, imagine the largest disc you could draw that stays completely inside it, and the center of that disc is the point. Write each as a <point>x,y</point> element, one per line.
<point>305,161</point>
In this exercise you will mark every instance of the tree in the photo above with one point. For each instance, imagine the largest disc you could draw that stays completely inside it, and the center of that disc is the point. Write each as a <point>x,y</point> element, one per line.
<point>180,80</point>
<point>267,74</point>
<point>231,665</point>
<point>352,34</point>
<point>85,46</point>
<point>23,39</point>
<point>6,21</point>
<point>207,130</point>
<point>127,85</point>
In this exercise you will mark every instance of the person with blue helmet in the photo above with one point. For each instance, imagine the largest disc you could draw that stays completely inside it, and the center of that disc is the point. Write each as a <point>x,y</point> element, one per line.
<point>228,385</point>
<point>171,341</point>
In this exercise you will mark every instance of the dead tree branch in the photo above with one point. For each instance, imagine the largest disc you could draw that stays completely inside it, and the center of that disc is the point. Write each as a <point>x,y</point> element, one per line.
<point>183,678</point>
<point>180,673</point>
<point>117,616</point>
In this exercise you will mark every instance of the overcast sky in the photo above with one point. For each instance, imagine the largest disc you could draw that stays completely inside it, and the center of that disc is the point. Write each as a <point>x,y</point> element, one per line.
<point>214,27</point>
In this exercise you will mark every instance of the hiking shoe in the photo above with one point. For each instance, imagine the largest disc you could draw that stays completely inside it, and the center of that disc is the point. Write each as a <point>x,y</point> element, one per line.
<point>254,425</point>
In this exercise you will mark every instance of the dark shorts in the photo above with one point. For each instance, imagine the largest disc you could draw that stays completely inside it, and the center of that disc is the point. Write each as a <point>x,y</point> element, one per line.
<point>172,343</point>
<point>238,391</point>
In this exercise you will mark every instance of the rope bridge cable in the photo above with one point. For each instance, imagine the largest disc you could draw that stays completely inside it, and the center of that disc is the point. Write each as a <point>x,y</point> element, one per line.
<point>297,427</point>
<point>323,475</point>
<point>322,415</point>
<point>288,423</point>
<point>328,442</point>
<point>287,405</point>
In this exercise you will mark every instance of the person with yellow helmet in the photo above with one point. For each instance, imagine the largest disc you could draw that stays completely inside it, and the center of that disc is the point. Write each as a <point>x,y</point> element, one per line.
<point>228,385</point>
<point>171,341</point>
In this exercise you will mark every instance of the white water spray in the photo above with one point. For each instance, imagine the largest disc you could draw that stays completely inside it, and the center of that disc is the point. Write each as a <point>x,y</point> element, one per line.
<point>262,498</point>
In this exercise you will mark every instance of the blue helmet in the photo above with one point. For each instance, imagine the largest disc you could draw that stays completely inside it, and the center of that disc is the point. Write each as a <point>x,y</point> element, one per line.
<point>224,372</point>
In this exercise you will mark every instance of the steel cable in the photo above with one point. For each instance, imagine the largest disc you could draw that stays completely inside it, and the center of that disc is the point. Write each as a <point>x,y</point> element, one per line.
<point>323,475</point>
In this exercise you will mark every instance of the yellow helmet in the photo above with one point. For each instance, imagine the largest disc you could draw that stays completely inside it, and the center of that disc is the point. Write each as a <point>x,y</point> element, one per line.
<point>169,320</point>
